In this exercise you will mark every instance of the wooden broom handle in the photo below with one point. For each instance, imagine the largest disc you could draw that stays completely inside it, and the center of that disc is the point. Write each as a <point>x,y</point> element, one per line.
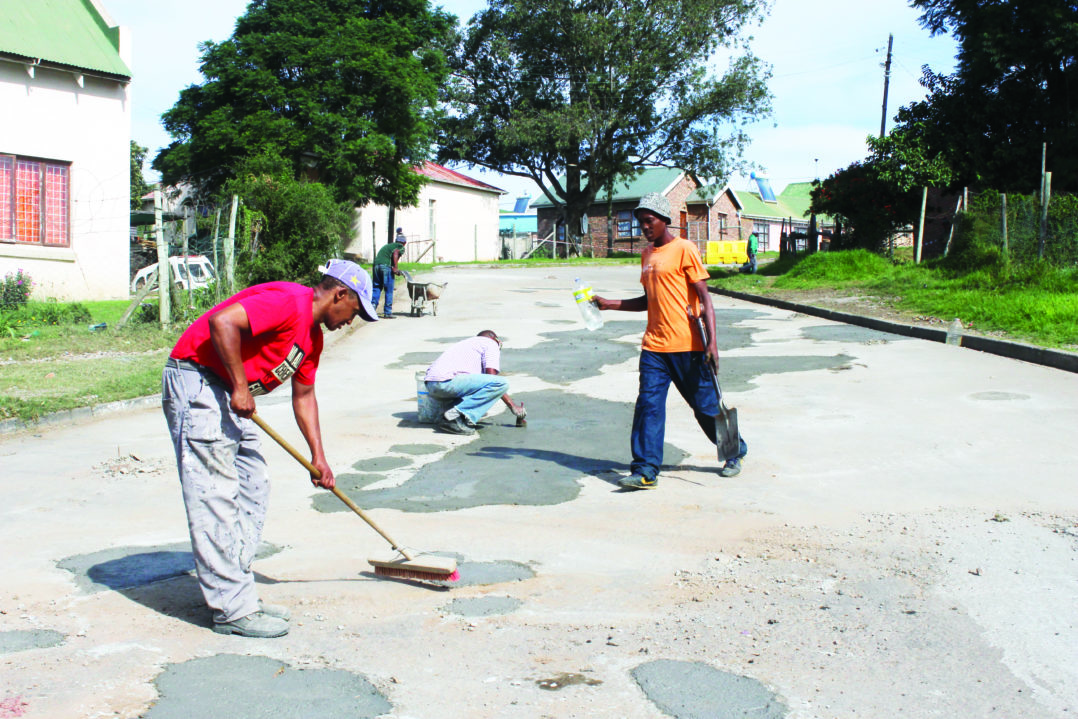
<point>314,471</point>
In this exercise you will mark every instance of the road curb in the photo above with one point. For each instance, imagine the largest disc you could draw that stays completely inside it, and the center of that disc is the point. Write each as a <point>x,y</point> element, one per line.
<point>79,414</point>
<point>1056,359</point>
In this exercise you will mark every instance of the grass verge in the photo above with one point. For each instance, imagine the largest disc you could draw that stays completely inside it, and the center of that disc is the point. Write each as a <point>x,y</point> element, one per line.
<point>1037,304</point>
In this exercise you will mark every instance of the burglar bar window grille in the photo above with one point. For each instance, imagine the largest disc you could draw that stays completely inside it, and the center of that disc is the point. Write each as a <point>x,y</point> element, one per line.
<point>35,201</point>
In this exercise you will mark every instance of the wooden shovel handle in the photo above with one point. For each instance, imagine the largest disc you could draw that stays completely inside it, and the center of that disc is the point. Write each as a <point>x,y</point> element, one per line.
<point>314,471</point>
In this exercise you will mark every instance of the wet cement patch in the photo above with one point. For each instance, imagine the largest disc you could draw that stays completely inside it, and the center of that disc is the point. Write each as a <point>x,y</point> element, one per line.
<point>381,464</point>
<point>566,679</point>
<point>483,606</point>
<point>228,685</point>
<point>478,574</point>
<point>20,640</point>
<point>417,449</point>
<point>693,690</point>
<point>568,437</point>
<point>849,333</point>
<point>129,567</point>
<point>998,396</point>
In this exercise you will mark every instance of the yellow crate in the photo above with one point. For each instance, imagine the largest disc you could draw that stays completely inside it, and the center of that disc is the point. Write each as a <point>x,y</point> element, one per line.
<point>727,252</point>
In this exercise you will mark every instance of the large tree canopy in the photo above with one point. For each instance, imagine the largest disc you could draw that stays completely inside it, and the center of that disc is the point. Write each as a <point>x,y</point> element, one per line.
<point>1011,92</point>
<point>347,88</point>
<point>574,94</point>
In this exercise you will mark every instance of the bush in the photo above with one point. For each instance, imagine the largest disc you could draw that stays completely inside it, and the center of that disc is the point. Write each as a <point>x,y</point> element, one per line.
<point>289,226</point>
<point>25,317</point>
<point>15,289</point>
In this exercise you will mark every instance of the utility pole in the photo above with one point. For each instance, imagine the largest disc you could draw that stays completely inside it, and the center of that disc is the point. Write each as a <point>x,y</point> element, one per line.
<point>886,83</point>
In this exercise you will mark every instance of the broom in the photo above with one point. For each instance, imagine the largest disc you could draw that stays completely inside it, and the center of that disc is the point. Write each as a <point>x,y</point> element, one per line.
<point>405,566</point>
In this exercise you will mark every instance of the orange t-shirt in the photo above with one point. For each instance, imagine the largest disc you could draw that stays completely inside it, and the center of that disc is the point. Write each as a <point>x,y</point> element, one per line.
<point>667,274</point>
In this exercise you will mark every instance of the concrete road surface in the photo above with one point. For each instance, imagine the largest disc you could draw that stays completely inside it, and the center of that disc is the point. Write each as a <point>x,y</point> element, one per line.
<point>901,542</point>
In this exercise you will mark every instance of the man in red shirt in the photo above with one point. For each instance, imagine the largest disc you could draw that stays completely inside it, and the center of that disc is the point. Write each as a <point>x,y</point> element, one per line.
<point>674,279</point>
<point>245,347</point>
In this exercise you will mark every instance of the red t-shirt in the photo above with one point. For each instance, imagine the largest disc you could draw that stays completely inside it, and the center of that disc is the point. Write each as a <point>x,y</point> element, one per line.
<point>284,340</point>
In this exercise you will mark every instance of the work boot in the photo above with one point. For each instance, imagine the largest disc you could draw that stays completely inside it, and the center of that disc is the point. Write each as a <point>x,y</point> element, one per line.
<point>258,625</point>
<point>274,610</point>
<point>457,425</point>
<point>638,481</point>
<point>732,468</point>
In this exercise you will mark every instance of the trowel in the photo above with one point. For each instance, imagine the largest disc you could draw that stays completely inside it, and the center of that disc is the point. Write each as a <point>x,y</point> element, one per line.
<point>727,439</point>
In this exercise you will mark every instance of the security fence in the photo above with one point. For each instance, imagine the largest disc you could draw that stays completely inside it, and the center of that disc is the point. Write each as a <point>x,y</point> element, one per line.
<point>1021,226</point>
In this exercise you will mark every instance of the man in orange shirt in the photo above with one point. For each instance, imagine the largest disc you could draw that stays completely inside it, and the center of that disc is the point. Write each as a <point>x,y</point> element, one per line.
<point>674,279</point>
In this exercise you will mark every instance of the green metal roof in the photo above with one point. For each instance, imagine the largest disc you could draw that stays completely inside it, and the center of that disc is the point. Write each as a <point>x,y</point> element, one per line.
<point>792,202</point>
<point>66,32</point>
<point>652,179</point>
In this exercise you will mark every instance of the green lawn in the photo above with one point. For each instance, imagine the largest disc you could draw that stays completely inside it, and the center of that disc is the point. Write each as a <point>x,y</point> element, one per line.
<point>1032,304</point>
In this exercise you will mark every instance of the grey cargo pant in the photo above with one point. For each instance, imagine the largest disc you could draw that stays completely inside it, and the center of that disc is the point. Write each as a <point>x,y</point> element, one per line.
<point>225,486</point>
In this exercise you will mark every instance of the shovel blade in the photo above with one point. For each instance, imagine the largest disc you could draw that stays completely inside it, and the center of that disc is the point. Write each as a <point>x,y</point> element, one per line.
<point>727,439</point>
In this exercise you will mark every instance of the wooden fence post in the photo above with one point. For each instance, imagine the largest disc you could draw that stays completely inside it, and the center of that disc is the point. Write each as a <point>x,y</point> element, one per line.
<point>921,228</point>
<point>1003,215</point>
<point>230,249</point>
<point>164,280</point>
<point>1044,213</point>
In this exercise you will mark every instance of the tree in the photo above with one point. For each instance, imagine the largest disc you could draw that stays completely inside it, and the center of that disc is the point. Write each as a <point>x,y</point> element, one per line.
<point>1011,91</point>
<point>575,94</point>
<point>881,195</point>
<point>342,89</point>
<point>139,187</point>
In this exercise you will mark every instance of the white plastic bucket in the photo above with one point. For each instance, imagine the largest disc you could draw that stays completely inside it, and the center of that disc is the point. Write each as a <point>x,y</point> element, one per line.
<point>430,409</point>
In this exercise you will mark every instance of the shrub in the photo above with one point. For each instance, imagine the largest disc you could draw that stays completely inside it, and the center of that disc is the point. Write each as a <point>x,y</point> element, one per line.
<point>15,289</point>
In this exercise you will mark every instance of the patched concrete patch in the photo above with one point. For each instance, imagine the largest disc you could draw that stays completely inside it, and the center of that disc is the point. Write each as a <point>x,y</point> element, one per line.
<point>693,690</point>
<point>998,396</point>
<point>561,322</point>
<point>483,606</point>
<point>128,567</point>
<point>568,437</point>
<point>419,449</point>
<point>381,464</point>
<point>229,685</point>
<point>20,640</point>
<point>736,374</point>
<point>483,573</point>
<point>849,333</point>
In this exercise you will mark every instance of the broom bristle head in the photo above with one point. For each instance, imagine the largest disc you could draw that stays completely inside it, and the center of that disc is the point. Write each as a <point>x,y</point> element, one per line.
<point>402,573</point>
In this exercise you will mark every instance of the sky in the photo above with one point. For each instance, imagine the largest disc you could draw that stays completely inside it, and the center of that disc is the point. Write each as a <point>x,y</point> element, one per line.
<point>826,58</point>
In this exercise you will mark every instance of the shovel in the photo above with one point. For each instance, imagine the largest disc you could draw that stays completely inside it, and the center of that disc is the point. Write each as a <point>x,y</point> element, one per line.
<point>727,439</point>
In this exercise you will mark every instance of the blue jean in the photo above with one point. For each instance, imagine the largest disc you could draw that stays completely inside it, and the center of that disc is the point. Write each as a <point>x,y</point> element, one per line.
<point>477,393</point>
<point>690,374</point>
<point>382,279</point>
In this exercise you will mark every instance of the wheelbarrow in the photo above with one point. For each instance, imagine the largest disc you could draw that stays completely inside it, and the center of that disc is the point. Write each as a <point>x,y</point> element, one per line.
<point>425,296</point>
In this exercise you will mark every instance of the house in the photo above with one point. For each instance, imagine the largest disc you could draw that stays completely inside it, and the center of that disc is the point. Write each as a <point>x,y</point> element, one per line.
<point>769,215</point>
<point>517,228</point>
<point>618,204</point>
<point>65,134</point>
<point>455,220</point>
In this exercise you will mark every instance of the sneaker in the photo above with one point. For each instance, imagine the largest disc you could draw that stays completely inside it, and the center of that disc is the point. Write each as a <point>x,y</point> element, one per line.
<point>638,481</point>
<point>457,425</point>
<point>388,317</point>
<point>258,625</point>
<point>732,468</point>
<point>274,610</point>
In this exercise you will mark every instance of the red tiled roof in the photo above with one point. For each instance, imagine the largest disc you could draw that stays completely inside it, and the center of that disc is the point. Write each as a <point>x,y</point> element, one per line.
<point>439,173</point>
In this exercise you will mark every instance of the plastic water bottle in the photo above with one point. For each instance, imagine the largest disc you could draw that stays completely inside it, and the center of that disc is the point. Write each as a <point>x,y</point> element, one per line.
<point>954,332</point>
<point>593,318</point>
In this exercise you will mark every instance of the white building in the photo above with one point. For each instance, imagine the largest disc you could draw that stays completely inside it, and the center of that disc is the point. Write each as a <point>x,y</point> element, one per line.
<point>455,220</point>
<point>65,134</point>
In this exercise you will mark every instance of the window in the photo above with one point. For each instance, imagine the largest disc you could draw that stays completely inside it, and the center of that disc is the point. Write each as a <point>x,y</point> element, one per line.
<point>762,231</point>
<point>627,225</point>
<point>35,201</point>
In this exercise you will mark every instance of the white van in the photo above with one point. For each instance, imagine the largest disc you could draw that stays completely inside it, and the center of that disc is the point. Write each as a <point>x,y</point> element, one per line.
<point>202,273</point>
